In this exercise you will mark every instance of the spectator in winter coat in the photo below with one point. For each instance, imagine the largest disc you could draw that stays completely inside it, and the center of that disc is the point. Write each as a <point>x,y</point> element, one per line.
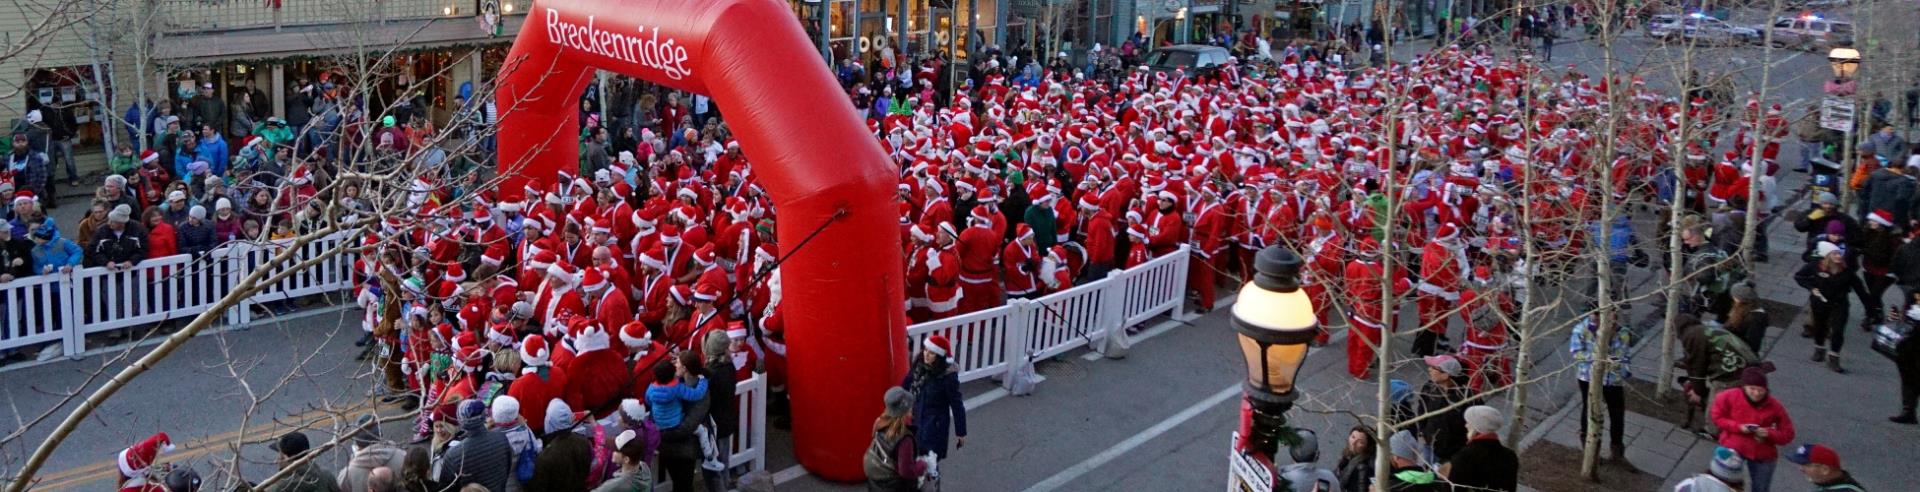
<point>1876,244</point>
<point>892,462</point>
<point>1828,281</point>
<point>1821,465</point>
<point>29,167</point>
<point>477,455</point>
<point>304,477</point>
<point>118,244</point>
<point>1726,473</point>
<point>1355,468</point>
<point>1410,463</point>
<point>369,453</point>
<point>213,149</point>
<point>1584,346</point>
<point>1814,223</point>
<point>1484,463</point>
<point>721,385</point>
<point>631,453</point>
<point>226,224</point>
<point>196,234</point>
<point>1446,432</point>
<point>207,109</point>
<point>1905,269</point>
<point>937,402</point>
<point>566,457</point>
<point>162,240</point>
<point>16,256</point>
<point>51,252</point>
<point>1891,189</point>
<point>1753,424</point>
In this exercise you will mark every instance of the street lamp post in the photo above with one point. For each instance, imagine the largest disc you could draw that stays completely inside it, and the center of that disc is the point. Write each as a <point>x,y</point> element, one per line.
<point>1274,322</point>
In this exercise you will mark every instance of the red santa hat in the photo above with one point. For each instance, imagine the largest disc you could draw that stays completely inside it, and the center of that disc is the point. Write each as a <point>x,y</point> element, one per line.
<point>1446,231</point>
<point>655,257</point>
<point>682,294</point>
<point>500,333</point>
<point>635,335</point>
<point>1882,217</point>
<point>149,156</point>
<point>938,345</point>
<point>455,273</point>
<point>562,272</point>
<point>533,351</point>
<point>592,280</point>
<point>587,335</point>
<point>705,255</point>
<point>543,259</point>
<point>1137,231</point>
<point>737,330</point>
<point>705,292</point>
<point>480,213</point>
<point>135,460</point>
<point>921,233</point>
<point>1022,231</point>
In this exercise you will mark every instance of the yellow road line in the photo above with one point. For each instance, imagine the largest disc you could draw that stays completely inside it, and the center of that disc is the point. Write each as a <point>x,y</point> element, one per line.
<point>110,469</point>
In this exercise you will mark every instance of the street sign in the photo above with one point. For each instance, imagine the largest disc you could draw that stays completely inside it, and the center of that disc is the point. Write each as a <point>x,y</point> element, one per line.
<point>1246,474</point>
<point>1836,114</point>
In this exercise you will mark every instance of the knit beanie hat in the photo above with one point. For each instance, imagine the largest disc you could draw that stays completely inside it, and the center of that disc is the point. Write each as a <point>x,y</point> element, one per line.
<point>120,214</point>
<point>1307,450</point>
<point>1754,376</point>
<point>1482,419</point>
<point>898,401</point>
<point>1728,466</point>
<point>506,409</point>
<point>1407,447</point>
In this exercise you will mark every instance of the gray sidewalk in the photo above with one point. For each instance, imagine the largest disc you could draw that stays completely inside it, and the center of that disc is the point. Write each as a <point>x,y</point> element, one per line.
<point>1845,411</point>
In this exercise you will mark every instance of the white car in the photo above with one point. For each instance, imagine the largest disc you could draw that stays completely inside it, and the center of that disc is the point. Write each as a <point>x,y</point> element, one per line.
<point>1810,32</point>
<point>1701,28</point>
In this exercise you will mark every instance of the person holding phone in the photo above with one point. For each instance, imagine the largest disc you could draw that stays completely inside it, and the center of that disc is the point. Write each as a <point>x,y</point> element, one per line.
<point>1753,424</point>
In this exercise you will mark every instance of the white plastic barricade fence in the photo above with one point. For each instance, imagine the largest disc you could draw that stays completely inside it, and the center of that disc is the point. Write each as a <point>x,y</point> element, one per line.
<point>979,340</point>
<point>984,342</point>
<point>66,307</point>
<point>749,446</point>
<point>35,309</point>
<point>154,290</point>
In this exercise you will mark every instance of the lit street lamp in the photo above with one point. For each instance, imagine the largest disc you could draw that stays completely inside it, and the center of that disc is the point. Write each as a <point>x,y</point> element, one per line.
<point>1845,61</point>
<point>1274,320</point>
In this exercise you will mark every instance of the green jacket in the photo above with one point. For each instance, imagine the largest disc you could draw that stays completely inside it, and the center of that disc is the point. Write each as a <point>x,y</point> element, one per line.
<point>1040,218</point>
<point>641,481</point>
<point>122,164</point>
<point>306,478</point>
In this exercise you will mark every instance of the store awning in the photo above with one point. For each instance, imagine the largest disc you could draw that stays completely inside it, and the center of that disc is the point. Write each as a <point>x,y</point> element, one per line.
<point>311,41</point>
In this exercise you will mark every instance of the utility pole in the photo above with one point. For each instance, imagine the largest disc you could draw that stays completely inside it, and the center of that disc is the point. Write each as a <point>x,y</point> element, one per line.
<point>825,18</point>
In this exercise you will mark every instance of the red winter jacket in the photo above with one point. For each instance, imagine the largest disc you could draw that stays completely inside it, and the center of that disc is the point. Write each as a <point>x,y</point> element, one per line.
<point>1731,411</point>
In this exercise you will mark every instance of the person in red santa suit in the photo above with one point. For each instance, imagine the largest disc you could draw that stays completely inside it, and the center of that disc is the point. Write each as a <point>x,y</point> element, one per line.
<point>1019,264</point>
<point>539,383</point>
<point>655,288</point>
<point>1364,278</point>
<point>1441,263</point>
<point>978,248</point>
<point>1165,230</point>
<point>918,273</point>
<point>642,354</point>
<point>1137,246</point>
<point>745,361</point>
<point>596,372</point>
<point>704,318</point>
<point>1326,261</point>
<point>610,307</point>
<point>1484,349</point>
<point>1101,238</point>
<point>945,289</point>
<point>1209,243</point>
<point>1056,273</point>
<point>713,276</point>
<point>136,464</point>
<point>558,299</point>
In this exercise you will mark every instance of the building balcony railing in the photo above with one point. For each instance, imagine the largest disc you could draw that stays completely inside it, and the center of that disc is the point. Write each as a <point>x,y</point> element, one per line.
<point>205,16</point>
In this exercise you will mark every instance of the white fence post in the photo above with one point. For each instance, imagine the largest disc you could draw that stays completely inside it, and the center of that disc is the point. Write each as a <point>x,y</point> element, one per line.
<point>74,342</point>
<point>1183,261</point>
<point>1019,331</point>
<point>1115,343</point>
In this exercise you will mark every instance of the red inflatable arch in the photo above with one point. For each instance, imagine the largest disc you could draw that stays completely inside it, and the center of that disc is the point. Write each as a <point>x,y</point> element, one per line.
<point>842,292</point>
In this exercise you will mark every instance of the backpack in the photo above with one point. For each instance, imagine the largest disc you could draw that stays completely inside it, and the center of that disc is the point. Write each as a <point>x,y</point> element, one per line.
<point>879,461</point>
<point>1731,354</point>
<point>523,464</point>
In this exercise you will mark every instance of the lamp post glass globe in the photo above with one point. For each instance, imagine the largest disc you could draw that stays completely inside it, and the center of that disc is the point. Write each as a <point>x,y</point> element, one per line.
<point>1845,61</point>
<point>1274,321</point>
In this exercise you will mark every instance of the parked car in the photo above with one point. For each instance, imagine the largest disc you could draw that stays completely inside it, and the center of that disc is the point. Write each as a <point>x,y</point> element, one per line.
<point>1810,32</point>
<point>1701,28</point>
<point>1191,59</point>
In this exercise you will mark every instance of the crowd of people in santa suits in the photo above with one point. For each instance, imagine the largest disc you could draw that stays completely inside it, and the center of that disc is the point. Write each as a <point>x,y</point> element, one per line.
<point>577,288</point>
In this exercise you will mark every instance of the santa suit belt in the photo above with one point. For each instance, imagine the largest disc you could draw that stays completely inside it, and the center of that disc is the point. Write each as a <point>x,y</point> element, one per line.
<point>1481,346</point>
<point>947,305</point>
<point>1022,292</point>
<point>1361,320</point>
<point>1436,290</point>
<point>976,280</point>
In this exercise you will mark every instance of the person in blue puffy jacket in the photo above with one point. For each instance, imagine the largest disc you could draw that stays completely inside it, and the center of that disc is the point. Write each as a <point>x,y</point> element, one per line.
<point>52,252</point>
